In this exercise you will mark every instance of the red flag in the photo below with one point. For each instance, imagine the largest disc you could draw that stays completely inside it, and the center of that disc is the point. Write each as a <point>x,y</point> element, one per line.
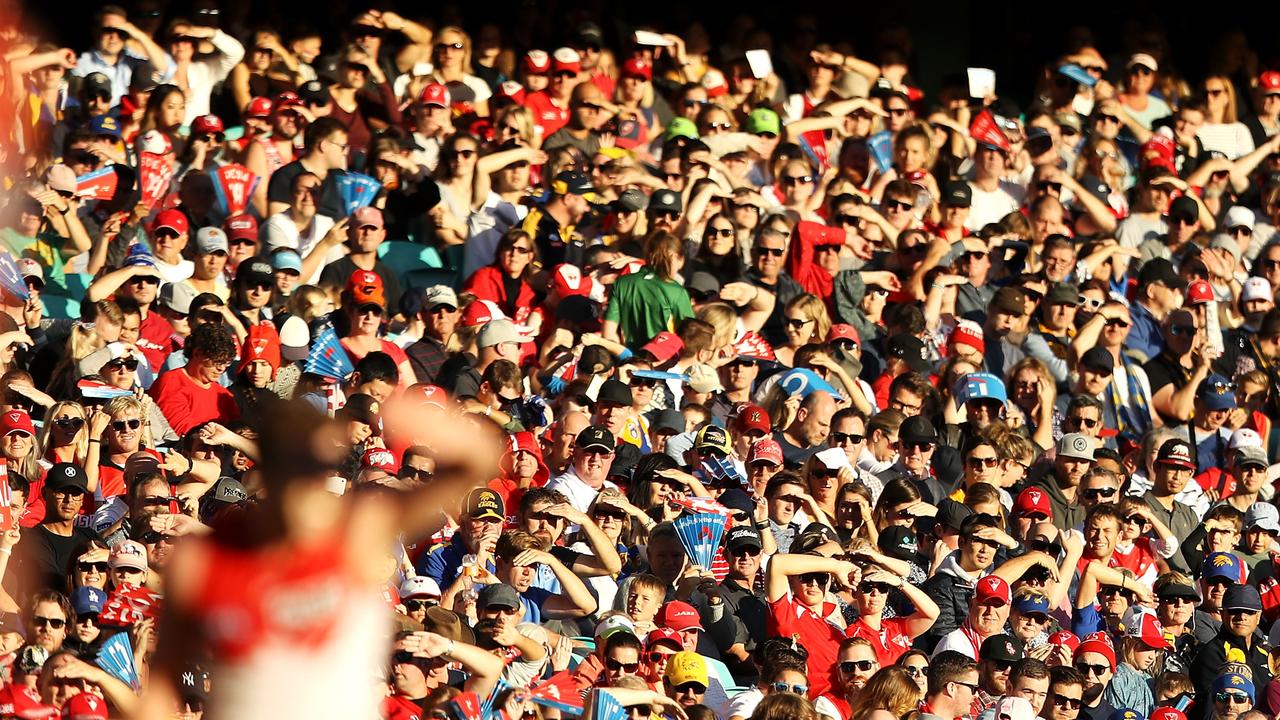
<point>984,129</point>
<point>154,177</point>
<point>129,604</point>
<point>234,186</point>
<point>98,185</point>
<point>559,691</point>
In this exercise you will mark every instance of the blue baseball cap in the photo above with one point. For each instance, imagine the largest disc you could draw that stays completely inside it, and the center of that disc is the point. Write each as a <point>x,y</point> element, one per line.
<point>981,386</point>
<point>105,125</point>
<point>1217,393</point>
<point>1032,604</point>
<point>286,259</point>
<point>88,600</point>
<point>1126,714</point>
<point>1223,565</point>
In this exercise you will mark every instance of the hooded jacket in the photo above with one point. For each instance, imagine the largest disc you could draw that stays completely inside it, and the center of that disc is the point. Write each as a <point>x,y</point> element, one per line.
<point>952,588</point>
<point>507,484</point>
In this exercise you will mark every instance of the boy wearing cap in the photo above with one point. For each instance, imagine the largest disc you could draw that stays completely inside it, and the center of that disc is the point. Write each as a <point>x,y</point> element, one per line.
<point>208,268</point>
<point>138,280</point>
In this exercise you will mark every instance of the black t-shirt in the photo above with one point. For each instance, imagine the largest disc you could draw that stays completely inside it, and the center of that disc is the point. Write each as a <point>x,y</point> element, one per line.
<point>280,189</point>
<point>46,557</point>
<point>1164,370</point>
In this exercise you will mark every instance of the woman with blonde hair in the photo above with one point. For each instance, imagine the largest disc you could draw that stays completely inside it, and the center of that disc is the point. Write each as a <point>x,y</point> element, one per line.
<point>95,330</point>
<point>65,435</point>
<point>309,302</point>
<point>806,320</point>
<point>889,695</point>
<point>452,62</point>
<point>1033,391</point>
<point>1222,130</point>
<point>514,123</point>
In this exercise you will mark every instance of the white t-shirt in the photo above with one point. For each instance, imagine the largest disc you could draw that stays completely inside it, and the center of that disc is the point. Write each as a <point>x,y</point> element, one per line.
<point>281,232</point>
<point>579,494</point>
<point>176,272</point>
<point>990,207</point>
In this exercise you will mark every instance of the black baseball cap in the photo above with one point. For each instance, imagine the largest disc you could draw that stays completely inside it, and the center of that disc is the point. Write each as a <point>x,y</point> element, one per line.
<point>917,429</point>
<point>615,392</point>
<point>1001,648</point>
<point>957,193</point>
<point>66,475</point>
<point>595,436</point>
<point>1098,360</point>
<point>482,503</point>
<point>1161,270</point>
<point>743,536</point>
<point>910,349</point>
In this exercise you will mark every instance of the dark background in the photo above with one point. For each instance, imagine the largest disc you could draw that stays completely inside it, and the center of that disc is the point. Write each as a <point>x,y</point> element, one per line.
<point>1016,39</point>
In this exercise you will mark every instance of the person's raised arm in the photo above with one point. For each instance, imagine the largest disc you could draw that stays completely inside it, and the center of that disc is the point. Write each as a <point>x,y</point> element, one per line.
<point>605,559</point>
<point>1097,210</point>
<point>574,600</point>
<point>158,58</point>
<point>105,286</point>
<point>1243,167</point>
<point>315,258</point>
<point>483,666</point>
<point>785,565</point>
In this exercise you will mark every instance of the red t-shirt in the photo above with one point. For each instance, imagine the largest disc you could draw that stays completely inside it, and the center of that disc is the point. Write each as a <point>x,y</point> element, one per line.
<point>34,514</point>
<point>788,618</point>
<point>155,340</point>
<point>890,642</point>
<point>547,114</point>
<point>187,405</point>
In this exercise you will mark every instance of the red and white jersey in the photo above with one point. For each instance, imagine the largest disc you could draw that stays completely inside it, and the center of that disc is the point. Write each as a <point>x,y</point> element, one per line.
<point>290,627</point>
<point>275,160</point>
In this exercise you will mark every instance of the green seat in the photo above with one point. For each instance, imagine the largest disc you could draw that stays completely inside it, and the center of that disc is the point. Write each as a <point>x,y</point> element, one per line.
<point>407,258</point>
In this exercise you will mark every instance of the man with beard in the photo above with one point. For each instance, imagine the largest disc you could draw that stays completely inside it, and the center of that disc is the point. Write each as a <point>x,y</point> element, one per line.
<point>1062,483</point>
<point>953,679</point>
<point>267,153</point>
<point>1008,341</point>
<point>545,514</point>
<point>588,469</point>
<point>1066,691</point>
<point>1238,638</point>
<point>522,645</point>
<point>996,659</point>
<point>1028,679</point>
<point>855,665</point>
<point>1173,468</point>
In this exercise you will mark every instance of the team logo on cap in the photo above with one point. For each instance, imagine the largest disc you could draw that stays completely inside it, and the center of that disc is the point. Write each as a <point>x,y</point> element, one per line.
<point>1034,496</point>
<point>993,585</point>
<point>1237,680</point>
<point>1079,444</point>
<point>69,471</point>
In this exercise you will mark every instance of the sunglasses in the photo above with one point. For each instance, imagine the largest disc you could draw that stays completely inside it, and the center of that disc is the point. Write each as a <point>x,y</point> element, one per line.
<point>816,578</point>
<point>719,232</point>
<point>797,323</point>
<point>1177,330</point>
<point>450,46</point>
<point>983,462</point>
<point>1136,520</point>
<point>241,242</point>
<point>129,364</point>
<point>120,425</point>
<point>144,280</point>
<point>87,567</point>
<point>1067,702</point>
<point>797,179</point>
<point>1117,323</point>
<point>696,688</point>
<point>615,666</point>
<point>840,438</point>
<point>1089,668</point>
<point>1046,185</point>
<point>1232,697</point>
<point>1082,422</point>
<point>69,423</point>
<point>55,623</point>
<point>785,687</point>
<point>868,587</point>
<point>891,204</point>
<point>916,670</point>
<point>87,619</point>
<point>1051,549</point>
<point>1095,493</point>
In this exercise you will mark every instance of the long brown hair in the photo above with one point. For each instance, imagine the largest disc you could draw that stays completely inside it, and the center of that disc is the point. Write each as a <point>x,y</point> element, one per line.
<point>661,250</point>
<point>891,689</point>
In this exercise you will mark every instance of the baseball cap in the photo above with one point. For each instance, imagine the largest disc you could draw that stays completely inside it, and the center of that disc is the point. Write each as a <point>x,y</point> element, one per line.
<point>295,338</point>
<point>595,436</point>
<point>537,62</point>
<point>419,587</point>
<point>259,108</point>
<point>1199,292</point>
<point>380,458</point>
<point>254,271</point>
<point>980,386</point>
<point>572,182</point>
<point>1161,271</point>
<point>666,201</point>
<point>1233,681</point>
<point>1175,452</point>
<point>615,392</point>
<point>367,216</point>
<point>211,239</point>
<point>743,536</point>
<point>957,193</point>
<point>88,600</point>
<point>364,287</point>
<point>968,332</point>
<point>765,450</point>
<point>60,178</point>
<point>899,542</point>
<point>286,260</point>
<point>177,297</point>
<point>435,94</point>
<point>1252,455</point>
<point>128,554</point>
<point>1010,301</point>
<point>992,589</point>
<point>678,615</point>
<point>483,503</point>
<point>911,350</point>
<point>1143,60</point>
<point>566,59</point>
<point>668,420</point>
<point>703,378</point>
<point>1142,624</point>
<point>438,295</point>
<point>1239,216</point>
<point>681,127</point>
<point>752,417</point>
<point>104,124</point>
<point>207,125</point>
<point>1065,638</point>
<point>1098,360</point>
<point>66,475</point>
<point>1262,515</point>
<point>664,346</point>
<point>172,219</point>
<point>241,227</point>
<point>1184,208</point>
<point>16,420</point>
<point>1177,590</point>
<point>1256,288</point>
<point>498,331</point>
<point>763,120</point>
<point>917,429</point>
<point>154,142</point>
<point>614,624</point>
<point>843,331</point>
<point>1216,392</point>
<point>1032,604</point>
<point>1269,81</point>
<point>685,667</point>
<point>82,706</point>
<point>663,635</point>
<point>314,92</point>
<point>1006,648</point>
<point>1076,446</point>
<point>1242,597</point>
<point>228,490</point>
<point>1014,707</point>
<point>1062,294</point>
<point>1098,642</point>
<point>498,595</point>
<point>96,84</point>
<point>31,270</point>
<point>1032,500</point>
<point>713,437</point>
<point>1223,565</point>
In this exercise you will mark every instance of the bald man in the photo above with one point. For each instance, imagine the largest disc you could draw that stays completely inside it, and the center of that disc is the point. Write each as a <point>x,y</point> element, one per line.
<point>807,433</point>
<point>566,431</point>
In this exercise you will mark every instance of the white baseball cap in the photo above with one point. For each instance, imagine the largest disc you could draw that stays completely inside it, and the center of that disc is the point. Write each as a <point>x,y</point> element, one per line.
<point>420,586</point>
<point>1256,288</point>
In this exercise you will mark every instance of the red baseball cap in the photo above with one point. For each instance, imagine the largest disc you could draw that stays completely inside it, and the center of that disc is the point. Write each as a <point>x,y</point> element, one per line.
<point>1199,292</point>
<point>753,417</point>
<point>661,634</point>
<point>678,616</point>
<point>435,94</point>
<point>1142,624</point>
<point>537,62</point>
<point>17,421</point>
<point>241,227</point>
<point>365,288</point>
<point>1167,713</point>
<point>1033,500</point>
<point>844,331</point>
<point>566,59</point>
<point>84,706</point>
<point>664,346</point>
<point>1066,639</point>
<point>427,395</point>
<point>259,107</point>
<point>172,219</point>
<point>381,458</point>
<point>766,449</point>
<point>1269,81</point>
<point>480,312</point>
<point>637,67</point>
<point>512,91</point>
<point>287,100</point>
<point>568,280</point>
<point>992,587</point>
<point>207,125</point>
